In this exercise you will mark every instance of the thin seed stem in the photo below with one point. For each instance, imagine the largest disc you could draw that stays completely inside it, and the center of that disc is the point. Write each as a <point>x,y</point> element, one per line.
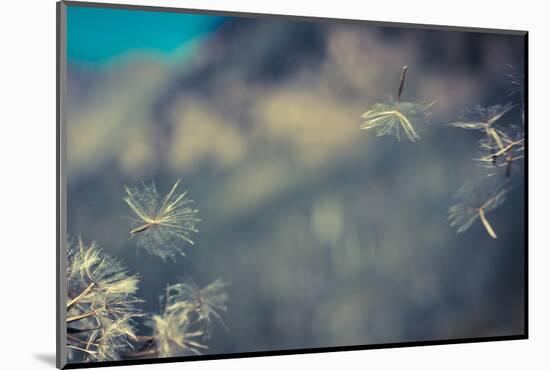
<point>140,228</point>
<point>83,316</point>
<point>486,224</point>
<point>83,350</point>
<point>508,166</point>
<point>401,83</point>
<point>508,147</point>
<point>493,133</point>
<point>79,297</point>
<point>150,352</point>
<point>78,340</point>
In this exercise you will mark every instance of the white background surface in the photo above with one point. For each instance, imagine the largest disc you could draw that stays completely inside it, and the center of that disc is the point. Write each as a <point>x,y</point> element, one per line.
<point>27,185</point>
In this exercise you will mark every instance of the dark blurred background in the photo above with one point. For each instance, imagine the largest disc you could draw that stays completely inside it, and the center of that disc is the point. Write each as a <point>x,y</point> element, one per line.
<point>328,235</point>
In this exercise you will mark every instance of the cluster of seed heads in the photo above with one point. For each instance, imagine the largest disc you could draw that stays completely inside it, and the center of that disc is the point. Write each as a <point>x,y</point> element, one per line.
<point>501,147</point>
<point>102,307</point>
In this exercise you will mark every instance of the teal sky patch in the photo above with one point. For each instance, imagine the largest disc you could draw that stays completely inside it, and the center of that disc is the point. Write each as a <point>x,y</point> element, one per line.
<point>99,34</point>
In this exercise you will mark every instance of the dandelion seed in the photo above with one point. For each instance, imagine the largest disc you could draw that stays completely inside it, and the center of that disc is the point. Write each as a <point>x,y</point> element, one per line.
<point>482,118</point>
<point>515,80</point>
<point>516,87</point>
<point>394,117</point>
<point>208,302</point>
<point>101,304</point>
<point>501,145</point>
<point>496,156</point>
<point>162,225</point>
<point>476,199</point>
<point>183,326</point>
<point>174,336</point>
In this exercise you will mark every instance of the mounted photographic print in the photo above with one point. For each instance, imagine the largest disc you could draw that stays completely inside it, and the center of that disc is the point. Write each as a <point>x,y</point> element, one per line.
<point>235,185</point>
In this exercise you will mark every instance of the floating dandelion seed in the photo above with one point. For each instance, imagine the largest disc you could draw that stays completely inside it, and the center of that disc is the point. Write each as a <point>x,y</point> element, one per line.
<point>482,118</point>
<point>208,302</point>
<point>516,87</point>
<point>502,154</point>
<point>392,118</point>
<point>162,225</point>
<point>395,116</point>
<point>476,199</point>
<point>501,145</point>
<point>174,335</point>
<point>101,304</point>
<point>515,81</point>
<point>183,326</point>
